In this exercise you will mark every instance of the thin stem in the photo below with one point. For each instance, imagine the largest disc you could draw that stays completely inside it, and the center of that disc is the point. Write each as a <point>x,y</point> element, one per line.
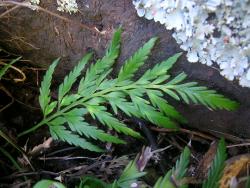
<point>32,129</point>
<point>11,159</point>
<point>4,136</point>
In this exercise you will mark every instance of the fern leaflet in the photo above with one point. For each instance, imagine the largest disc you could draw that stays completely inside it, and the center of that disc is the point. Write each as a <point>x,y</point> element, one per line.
<point>44,97</point>
<point>137,60</point>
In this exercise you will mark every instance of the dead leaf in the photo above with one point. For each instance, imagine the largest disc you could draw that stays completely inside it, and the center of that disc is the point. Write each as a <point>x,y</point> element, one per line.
<point>45,145</point>
<point>236,168</point>
<point>206,162</point>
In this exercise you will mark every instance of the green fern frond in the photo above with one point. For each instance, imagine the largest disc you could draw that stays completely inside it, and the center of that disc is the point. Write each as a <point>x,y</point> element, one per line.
<point>165,182</point>
<point>107,119</point>
<point>44,97</point>
<point>77,124</point>
<point>157,101</point>
<point>175,175</point>
<point>137,60</point>
<point>101,67</point>
<point>151,114</point>
<point>143,98</point>
<point>181,165</point>
<point>69,80</point>
<point>217,167</point>
<point>159,70</point>
<point>202,95</point>
<point>130,175</point>
<point>60,133</point>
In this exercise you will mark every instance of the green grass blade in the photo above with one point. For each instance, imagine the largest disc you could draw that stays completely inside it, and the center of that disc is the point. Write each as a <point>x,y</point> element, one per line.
<point>7,66</point>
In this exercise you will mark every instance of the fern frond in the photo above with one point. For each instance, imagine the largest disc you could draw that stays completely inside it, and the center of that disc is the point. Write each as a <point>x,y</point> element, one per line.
<point>77,124</point>
<point>181,165</point>
<point>101,66</point>
<point>68,99</point>
<point>151,114</point>
<point>165,182</point>
<point>158,70</point>
<point>175,175</point>
<point>142,98</point>
<point>117,101</point>
<point>137,60</point>
<point>129,175</point>
<point>157,101</point>
<point>60,133</point>
<point>44,97</point>
<point>114,48</point>
<point>217,167</point>
<point>69,80</point>
<point>106,118</point>
<point>203,95</point>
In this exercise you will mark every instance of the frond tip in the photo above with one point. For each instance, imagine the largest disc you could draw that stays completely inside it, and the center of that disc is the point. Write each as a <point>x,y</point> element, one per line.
<point>191,91</point>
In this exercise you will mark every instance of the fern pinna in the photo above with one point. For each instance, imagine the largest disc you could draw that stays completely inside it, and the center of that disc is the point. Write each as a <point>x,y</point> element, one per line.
<point>141,98</point>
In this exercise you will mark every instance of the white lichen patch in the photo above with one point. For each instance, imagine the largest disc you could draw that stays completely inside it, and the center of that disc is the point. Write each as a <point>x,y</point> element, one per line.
<point>211,31</point>
<point>35,2</point>
<point>67,6</point>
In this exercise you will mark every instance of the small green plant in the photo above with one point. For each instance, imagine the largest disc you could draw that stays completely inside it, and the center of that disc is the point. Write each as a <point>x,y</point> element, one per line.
<point>217,167</point>
<point>48,184</point>
<point>175,177</point>
<point>142,98</point>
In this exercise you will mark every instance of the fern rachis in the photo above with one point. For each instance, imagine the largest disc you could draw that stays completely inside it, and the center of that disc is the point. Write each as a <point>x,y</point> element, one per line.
<point>142,98</point>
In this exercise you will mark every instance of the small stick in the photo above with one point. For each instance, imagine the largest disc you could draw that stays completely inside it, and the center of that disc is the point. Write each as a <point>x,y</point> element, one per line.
<point>183,131</point>
<point>8,94</point>
<point>8,11</point>
<point>238,145</point>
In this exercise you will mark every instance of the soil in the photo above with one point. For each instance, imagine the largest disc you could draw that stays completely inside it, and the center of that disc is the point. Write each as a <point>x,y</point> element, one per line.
<point>40,38</point>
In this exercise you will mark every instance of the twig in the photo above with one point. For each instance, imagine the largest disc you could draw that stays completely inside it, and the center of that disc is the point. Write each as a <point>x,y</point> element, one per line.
<point>36,7</point>
<point>8,94</point>
<point>82,169</point>
<point>229,136</point>
<point>27,105</point>
<point>66,158</point>
<point>161,149</point>
<point>238,145</point>
<point>62,150</point>
<point>8,11</point>
<point>29,174</point>
<point>184,131</point>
